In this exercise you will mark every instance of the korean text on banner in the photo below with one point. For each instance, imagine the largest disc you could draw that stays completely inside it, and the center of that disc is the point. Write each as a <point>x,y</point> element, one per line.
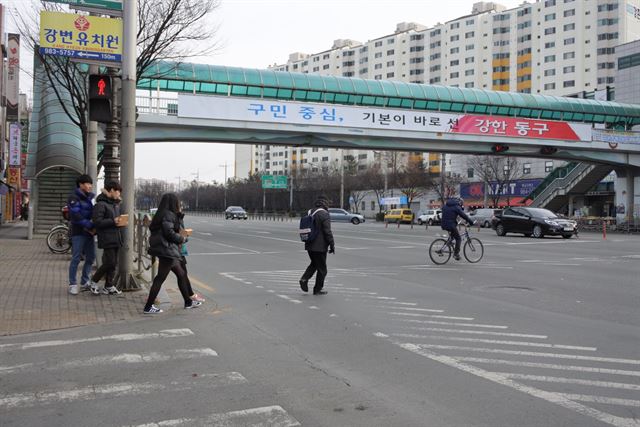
<point>14,144</point>
<point>81,36</point>
<point>13,77</point>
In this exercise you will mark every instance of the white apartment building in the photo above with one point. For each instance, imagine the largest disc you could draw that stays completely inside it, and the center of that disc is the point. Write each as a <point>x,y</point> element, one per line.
<point>551,47</point>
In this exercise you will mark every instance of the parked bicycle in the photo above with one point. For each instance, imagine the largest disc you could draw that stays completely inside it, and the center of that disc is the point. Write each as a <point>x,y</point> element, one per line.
<point>441,250</point>
<point>59,237</point>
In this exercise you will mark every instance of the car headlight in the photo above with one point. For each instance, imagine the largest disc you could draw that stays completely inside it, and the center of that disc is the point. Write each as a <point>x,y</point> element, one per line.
<point>548,221</point>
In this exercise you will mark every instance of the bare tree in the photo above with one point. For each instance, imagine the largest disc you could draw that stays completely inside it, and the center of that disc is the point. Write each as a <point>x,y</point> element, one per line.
<point>449,183</point>
<point>497,173</point>
<point>375,180</point>
<point>167,30</point>
<point>413,181</point>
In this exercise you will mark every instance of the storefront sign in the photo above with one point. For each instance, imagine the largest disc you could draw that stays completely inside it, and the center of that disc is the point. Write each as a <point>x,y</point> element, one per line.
<point>13,176</point>
<point>285,112</point>
<point>517,188</point>
<point>14,144</point>
<point>13,77</point>
<point>81,36</point>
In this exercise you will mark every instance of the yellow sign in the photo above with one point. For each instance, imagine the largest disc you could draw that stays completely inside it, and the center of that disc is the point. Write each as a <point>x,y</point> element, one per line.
<point>81,36</point>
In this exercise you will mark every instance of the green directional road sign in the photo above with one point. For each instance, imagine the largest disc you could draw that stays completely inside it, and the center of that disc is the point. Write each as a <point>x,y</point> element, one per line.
<point>99,4</point>
<point>270,182</point>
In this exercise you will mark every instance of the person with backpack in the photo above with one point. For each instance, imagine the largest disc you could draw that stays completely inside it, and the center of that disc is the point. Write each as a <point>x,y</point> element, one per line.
<point>80,206</point>
<point>108,223</point>
<point>183,263</point>
<point>318,239</point>
<point>164,243</point>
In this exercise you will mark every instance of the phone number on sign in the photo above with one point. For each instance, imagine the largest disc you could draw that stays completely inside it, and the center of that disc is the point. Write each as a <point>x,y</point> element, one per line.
<point>63,52</point>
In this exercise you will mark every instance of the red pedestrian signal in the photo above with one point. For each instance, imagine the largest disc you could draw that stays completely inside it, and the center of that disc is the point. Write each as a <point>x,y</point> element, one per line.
<point>100,95</point>
<point>499,148</point>
<point>548,150</point>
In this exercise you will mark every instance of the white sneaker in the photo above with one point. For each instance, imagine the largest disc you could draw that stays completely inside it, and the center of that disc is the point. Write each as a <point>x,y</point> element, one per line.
<point>94,288</point>
<point>111,290</point>
<point>73,289</point>
<point>85,287</point>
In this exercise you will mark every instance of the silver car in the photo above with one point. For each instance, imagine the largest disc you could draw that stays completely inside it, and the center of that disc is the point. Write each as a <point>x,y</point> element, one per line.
<point>340,215</point>
<point>483,217</point>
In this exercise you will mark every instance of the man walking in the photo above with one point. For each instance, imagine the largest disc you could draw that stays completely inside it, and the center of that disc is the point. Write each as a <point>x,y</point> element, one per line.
<point>80,211</point>
<point>108,223</point>
<point>317,248</point>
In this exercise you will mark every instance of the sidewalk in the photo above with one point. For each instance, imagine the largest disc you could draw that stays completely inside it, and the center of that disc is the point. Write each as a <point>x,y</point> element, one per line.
<point>34,289</point>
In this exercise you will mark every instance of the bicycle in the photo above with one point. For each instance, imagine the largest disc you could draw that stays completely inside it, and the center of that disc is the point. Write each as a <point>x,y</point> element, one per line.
<point>441,250</point>
<point>59,237</point>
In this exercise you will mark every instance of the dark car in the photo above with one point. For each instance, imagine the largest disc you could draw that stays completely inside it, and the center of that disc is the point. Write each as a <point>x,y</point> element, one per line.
<point>340,215</point>
<point>532,222</point>
<point>235,212</point>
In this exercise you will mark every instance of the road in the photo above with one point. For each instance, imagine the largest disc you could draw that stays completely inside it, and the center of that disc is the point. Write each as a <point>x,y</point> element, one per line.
<point>542,332</point>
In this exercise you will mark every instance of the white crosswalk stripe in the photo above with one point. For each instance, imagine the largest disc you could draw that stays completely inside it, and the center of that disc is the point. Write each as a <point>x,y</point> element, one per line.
<point>270,416</point>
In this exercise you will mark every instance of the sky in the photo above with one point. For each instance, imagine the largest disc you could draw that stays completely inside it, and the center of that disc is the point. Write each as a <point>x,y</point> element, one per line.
<point>259,33</point>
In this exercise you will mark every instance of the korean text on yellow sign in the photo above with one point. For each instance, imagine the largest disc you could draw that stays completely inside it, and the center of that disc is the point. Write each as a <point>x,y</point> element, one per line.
<point>81,36</point>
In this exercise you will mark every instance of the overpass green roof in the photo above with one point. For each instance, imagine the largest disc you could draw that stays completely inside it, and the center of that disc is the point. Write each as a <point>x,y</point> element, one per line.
<point>246,82</point>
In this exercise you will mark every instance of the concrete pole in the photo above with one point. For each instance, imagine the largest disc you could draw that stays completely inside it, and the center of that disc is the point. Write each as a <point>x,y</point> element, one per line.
<point>630,196</point>
<point>291,194</point>
<point>341,178</point>
<point>128,137</point>
<point>443,177</point>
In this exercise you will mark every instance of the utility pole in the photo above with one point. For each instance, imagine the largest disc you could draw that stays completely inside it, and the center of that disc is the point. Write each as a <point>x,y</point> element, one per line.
<point>341,178</point>
<point>197,175</point>
<point>443,177</point>
<point>225,183</point>
<point>128,136</point>
<point>179,182</point>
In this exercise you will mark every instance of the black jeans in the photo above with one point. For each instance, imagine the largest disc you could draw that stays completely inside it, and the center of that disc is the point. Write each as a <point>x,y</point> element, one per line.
<point>165,266</point>
<point>183,264</point>
<point>456,236</point>
<point>318,265</point>
<point>108,267</point>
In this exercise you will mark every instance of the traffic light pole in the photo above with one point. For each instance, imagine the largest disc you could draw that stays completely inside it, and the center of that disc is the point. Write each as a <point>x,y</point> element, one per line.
<point>128,139</point>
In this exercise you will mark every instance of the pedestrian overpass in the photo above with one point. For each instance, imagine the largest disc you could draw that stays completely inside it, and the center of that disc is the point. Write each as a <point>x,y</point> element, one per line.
<point>248,106</point>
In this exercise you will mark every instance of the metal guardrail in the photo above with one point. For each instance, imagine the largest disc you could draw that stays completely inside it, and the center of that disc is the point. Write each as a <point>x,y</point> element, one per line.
<point>251,216</point>
<point>157,105</point>
<point>562,182</point>
<point>143,261</point>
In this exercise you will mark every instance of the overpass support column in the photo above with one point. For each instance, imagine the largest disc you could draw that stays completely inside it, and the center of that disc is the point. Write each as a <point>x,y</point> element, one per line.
<point>629,202</point>
<point>571,202</point>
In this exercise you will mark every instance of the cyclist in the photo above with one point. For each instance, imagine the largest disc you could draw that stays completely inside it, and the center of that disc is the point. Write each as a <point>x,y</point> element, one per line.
<point>450,213</point>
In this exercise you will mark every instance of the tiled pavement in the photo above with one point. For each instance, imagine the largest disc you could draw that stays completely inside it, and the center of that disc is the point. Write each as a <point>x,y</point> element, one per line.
<point>34,289</point>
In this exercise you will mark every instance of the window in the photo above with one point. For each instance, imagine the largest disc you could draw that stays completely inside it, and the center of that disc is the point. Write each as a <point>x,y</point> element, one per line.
<point>503,55</point>
<point>469,22</point>
<point>569,12</point>
<point>434,80</point>
<point>416,60</point>
<point>363,70</point>
<point>325,159</point>
<point>434,68</point>
<point>389,75</point>
<point>325,67</point>
<point>607,7</point>
<point>316,69</point>
<point>454,63</point>
<point>570,69</point>
<point>549,86</point>
<point>505,17</point>
<point>348,63</point>
<point>435,45</point>
<point>362,156</point>
<point>569,27</point>
<point>454,50</point>
<point>468,47</point>
<point>391,63</point>
<point>373,205</point>
<point>416,37</point>
<point>378,55</point>
<point>610,21</point>
<point>550,17</point>
<point>569,83</point>
<point>548,73</point>
<point>501,30</point>
<point>549,3</point>
<point>454,25</point>
<point>378,44</point>
<point>607,36</point>
<point>607,51</point>
<point>469,72</point>
<point>550,58</point>
<point>524,38</point>
<point>391,41</point>
<point>469,35</point>
<point>415,72</point>
<point>377,66</point>
<point>469,60</point>
<point>526,168</point>
<point>348,53</point>
<point>506,170</point>
<point>325,56</point>
<point>470,173</point>
<point>454,38</point>
<point>435,32</point>
<point>434,56</point>
<point>523,25</point>
<point>390,52</point>
<point>629,61</point>
<point>551,30</point>
<point>469,85</point>
<point>606,65</point>
<point>569,55</point>
<point>416,48</point>
<point>548,166</point>
<point>454,75</point>
<point>549,45</point>
<point>570,40</point>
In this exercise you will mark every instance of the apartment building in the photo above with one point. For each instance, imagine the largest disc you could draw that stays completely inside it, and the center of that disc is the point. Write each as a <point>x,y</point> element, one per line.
<point>551,47</point>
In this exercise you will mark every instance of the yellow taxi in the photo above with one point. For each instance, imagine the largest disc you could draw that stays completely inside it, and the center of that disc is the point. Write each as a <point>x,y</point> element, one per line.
<point>399,215</point>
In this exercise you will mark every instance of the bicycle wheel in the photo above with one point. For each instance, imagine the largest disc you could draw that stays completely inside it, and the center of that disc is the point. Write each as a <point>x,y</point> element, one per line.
<point>473,250</point>
<point>58,240</point>
<point>439,252</point>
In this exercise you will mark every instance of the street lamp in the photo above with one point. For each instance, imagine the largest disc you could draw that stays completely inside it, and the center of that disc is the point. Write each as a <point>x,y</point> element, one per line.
<point>197,175</point>
<point>225,183</point>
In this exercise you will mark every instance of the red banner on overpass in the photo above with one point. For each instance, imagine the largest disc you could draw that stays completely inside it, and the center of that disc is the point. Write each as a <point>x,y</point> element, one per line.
<point>523,128</point>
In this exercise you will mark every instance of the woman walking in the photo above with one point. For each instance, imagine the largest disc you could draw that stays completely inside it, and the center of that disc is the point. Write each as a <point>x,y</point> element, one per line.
<point>164,243</point>
<point>183,263</point>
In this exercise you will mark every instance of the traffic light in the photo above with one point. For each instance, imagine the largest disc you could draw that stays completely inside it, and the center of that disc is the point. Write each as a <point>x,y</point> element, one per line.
<point>499,148</point>
<point>100,94</point>
<point>548,150</point>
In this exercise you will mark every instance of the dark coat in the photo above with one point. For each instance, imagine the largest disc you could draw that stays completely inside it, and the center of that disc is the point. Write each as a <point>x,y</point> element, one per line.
<point>324,239</point>
<point>104,214</point>
<point>165,239</point>
<point>450,214</point>
<point>80,212</point>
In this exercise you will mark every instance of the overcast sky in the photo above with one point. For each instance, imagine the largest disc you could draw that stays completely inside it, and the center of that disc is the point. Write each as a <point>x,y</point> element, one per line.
<point>257,33</point>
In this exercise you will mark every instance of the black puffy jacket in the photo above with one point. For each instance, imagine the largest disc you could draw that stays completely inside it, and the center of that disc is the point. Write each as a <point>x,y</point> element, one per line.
<point>324,239</point>
<point>165,239</point>
<point>104,214</point>
<point>450,214</point>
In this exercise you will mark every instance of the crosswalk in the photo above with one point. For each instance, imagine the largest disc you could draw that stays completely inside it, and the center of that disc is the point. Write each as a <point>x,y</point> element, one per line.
<point>578,377</point>
<point>57,375</point>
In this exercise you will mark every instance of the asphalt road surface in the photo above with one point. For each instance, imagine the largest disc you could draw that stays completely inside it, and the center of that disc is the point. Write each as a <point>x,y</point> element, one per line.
<point>541,332</point>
